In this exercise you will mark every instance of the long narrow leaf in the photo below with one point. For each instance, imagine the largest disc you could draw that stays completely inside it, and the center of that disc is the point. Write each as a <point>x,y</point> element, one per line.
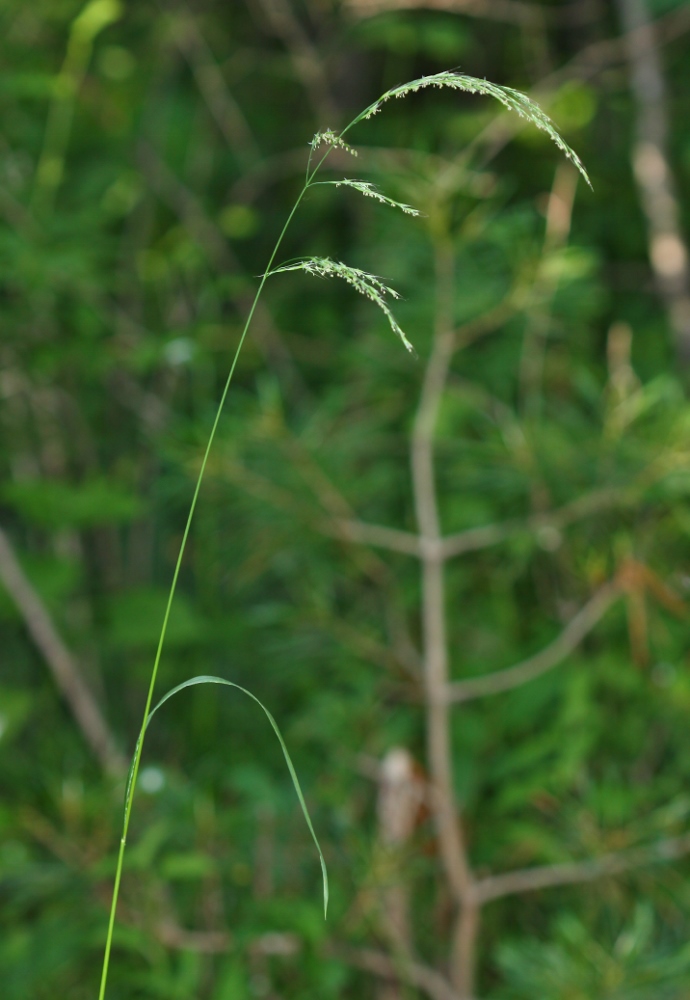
<point>210,679</point>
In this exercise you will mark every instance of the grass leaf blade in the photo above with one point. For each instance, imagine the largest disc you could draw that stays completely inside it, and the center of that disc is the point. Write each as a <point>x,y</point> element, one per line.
<point>210,679</point>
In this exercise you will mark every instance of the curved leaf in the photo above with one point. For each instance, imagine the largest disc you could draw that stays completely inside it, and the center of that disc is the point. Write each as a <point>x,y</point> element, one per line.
<point>210,679</point>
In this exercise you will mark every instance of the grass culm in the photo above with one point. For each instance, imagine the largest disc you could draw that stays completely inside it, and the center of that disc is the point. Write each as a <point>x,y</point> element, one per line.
<point>372,287</point>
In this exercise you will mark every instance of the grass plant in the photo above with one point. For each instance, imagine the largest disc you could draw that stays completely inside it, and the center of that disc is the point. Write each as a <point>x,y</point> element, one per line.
<point>370,286</point>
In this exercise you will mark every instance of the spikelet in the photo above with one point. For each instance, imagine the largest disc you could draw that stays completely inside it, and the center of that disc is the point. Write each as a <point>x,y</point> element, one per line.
<point>371,191</point>
<point>368,285</point>
<point>331,138</point>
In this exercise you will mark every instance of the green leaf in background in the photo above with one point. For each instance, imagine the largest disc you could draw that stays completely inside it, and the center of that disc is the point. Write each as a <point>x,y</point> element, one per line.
<point>136,616</point>
<point>54,504</point>
<point>170,140</point>
<point>16,707</point>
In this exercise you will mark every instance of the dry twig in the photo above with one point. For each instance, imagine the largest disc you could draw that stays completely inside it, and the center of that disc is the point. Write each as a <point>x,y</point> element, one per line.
<point>576,872</point>
<point>546,659</point>
<point>435,643</point>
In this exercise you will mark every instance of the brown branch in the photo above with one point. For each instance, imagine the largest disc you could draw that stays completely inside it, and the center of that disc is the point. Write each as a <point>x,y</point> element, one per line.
<point>435,643</point>
<point>534,666</point>
<point>575,872</point>
<point>668,252</point>
<point>599,56</point>
<point>186,205</point>
<point>401,796</point>
<point>400,649</point>
<point>472,539</point>
<point>484,536</point>
<point>375,534</point>
<point>60,661</point>
<point>487,322</point>
<point>172,935</point>
<point>428,980</point>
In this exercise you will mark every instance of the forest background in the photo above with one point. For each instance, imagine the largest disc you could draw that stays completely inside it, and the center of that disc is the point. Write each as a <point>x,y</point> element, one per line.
<point>459,581</point>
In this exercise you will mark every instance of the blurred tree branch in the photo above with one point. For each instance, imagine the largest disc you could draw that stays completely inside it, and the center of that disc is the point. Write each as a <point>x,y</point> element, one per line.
<point>577,872</point>
<point>60,661</point>
<point>473,539</point>
<point>668,252</point>
<point>546,659</point>
<point>416,974</point>
<point>450,833</point>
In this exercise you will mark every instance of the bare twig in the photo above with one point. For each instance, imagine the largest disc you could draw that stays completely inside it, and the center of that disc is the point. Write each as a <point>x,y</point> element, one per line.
<point>377,535</point>
<point>668,252</point>
<point>186,205</point>
<point>546,659</point>
<point>172,935</point>
<point>435,644</point>
<point>598,56</point>
<point>472,539</point>
<point>399,650</point>
<point>60,661</point>
<point>575,872</point>
<point>428,980</point>
<point>491,534</point>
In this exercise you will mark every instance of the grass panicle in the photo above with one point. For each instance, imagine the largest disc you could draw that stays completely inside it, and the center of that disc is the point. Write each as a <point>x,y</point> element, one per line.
<point>371,191</point>
<point>513,100</point>
<point>330,138</point>
<point>374,289</point>
<point>368,285</point>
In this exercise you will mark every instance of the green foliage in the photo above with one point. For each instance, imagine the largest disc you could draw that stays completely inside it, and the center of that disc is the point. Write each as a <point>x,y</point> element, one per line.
<point>577,965</point>
<point>125,283</point>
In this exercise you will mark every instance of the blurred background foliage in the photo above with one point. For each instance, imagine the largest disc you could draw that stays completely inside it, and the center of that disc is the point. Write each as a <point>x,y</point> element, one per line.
<point>148,155</point>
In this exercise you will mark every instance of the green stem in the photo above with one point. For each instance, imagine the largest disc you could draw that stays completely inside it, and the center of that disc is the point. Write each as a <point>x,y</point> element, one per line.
<point>171,595</point>
<point>311,173</point>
